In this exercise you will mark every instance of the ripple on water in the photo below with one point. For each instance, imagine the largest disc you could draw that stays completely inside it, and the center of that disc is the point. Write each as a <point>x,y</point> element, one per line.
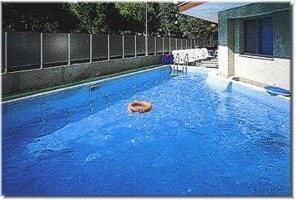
<point>92,157</point>
<point>158,162</point>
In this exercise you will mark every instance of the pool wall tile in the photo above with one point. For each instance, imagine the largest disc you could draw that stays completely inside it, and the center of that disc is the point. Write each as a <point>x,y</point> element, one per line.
<point>77,102</point>
<point>27,80</point>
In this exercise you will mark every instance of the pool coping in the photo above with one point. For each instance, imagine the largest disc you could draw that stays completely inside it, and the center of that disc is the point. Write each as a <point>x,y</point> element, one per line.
<point>233,79</point>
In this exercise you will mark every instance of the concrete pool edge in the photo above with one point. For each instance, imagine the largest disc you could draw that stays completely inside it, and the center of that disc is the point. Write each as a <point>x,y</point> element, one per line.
<point>215,74</point>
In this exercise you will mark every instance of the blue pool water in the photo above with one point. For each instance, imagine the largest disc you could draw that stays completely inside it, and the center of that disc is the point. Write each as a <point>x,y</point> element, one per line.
<point>203,137</point>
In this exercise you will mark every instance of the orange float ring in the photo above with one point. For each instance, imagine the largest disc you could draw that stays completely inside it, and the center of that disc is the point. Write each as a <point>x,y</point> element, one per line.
<point>139,106</point>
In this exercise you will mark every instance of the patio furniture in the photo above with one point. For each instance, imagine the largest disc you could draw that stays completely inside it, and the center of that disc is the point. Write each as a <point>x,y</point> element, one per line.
<point>206,54</point>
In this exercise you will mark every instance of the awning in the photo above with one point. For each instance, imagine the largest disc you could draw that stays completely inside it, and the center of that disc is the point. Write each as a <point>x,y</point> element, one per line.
<point>208,10</point>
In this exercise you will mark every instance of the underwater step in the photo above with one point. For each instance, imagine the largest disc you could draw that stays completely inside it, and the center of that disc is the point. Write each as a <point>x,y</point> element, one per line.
<point>229,87</point>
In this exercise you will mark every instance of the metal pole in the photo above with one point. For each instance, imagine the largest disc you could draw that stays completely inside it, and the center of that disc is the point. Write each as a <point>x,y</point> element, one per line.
<point>135,45</point>
<point>155,39</point>
<point>146,39</point>
<point>41,51</point>
<point>91,48</point>
<point>69,49</point>
<point>163,45</point>
<point>181,43</point>
<point>170,48</point>
<point>5,52</point>
<point>123,45</point>
<point>108,47</point>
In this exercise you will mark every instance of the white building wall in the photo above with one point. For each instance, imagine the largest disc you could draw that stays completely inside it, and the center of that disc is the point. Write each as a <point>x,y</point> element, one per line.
<point>223,60</point>
<point>274,71</point>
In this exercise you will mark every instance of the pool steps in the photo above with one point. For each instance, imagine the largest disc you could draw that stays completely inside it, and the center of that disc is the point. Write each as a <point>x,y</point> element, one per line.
<point>229,87</point>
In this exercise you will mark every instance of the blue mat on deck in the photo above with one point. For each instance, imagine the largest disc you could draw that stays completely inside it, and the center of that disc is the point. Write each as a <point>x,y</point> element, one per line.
<point>272,90</point>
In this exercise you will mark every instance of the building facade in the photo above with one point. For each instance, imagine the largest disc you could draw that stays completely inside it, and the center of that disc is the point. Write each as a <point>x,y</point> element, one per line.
<point>255,43</point>
<point>254,39</point>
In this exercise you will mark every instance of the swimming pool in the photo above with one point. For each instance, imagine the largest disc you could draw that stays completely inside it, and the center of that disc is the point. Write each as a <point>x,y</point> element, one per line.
<point>204,136</point>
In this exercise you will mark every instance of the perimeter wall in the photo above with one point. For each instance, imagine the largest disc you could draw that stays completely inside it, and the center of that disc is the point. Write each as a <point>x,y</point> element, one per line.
<point>32,60</point>
<point>34,79</point>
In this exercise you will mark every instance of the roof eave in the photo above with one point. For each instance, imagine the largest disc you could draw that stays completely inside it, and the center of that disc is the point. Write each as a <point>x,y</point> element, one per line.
<point>188,5</point>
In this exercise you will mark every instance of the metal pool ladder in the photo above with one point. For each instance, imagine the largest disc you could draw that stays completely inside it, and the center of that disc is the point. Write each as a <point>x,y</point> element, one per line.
<point>176,71</point>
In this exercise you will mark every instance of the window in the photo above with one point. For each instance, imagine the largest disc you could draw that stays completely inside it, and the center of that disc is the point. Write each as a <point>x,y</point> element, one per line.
<point>258,36</point>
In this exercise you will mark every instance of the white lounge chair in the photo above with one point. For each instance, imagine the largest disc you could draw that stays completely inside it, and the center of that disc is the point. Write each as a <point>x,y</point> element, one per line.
<point>193,56</point>
<point>206,54</point>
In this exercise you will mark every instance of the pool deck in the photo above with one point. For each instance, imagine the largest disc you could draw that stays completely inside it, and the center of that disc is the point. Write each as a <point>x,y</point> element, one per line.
<point>213,66</point>
<point>213,63</point>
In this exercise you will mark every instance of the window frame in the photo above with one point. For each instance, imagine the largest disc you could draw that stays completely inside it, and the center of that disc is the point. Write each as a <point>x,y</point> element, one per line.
<point>259,36</point>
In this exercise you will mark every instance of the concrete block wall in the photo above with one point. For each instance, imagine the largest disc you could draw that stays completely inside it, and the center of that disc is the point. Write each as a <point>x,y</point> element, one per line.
<point>28,80</point>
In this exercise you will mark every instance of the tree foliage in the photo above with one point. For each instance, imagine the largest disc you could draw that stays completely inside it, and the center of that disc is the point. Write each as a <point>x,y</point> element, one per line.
<point>102,17</point>
<point>48,17</point>
<point>168,16</point>
<point>134,15</point>
<point>96,17</point>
